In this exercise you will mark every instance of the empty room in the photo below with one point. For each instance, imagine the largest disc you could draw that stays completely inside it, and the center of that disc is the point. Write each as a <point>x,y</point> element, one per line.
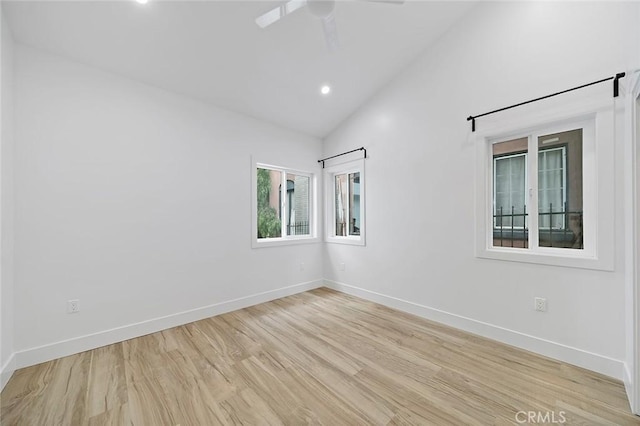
<point>350,212</point>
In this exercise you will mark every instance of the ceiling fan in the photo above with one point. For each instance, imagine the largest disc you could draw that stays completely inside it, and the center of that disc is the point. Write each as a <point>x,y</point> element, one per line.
<point>321,9</point>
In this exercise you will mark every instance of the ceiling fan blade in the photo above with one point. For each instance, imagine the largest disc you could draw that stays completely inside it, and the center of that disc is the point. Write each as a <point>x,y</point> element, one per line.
<point>279,12</point>
<point>330,32</point>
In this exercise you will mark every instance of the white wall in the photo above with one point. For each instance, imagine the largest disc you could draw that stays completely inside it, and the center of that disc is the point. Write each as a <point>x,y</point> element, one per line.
<point>632,225</point>
<point>137,202</point>
<point>632,297</point>
<point>420,200</point>
<point>6,204</point>
<point>632,294</point>
<point>633,360</point>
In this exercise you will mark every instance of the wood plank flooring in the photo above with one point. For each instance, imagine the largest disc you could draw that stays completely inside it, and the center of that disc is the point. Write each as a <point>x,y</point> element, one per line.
<point>320,357</point>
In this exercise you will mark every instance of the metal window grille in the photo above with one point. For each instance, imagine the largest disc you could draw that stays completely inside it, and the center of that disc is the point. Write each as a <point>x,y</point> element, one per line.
<point>298,228</point>
<point>507,234</point>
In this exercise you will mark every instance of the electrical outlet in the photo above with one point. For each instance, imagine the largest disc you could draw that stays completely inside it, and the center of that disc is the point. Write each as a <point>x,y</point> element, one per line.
<point>540,304</point>
<point>73,306</point>
<point>342,266</point>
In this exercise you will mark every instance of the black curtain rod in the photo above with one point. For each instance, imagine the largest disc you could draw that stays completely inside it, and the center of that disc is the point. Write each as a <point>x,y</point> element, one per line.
<point>344,153</point>
<point>616,91</point>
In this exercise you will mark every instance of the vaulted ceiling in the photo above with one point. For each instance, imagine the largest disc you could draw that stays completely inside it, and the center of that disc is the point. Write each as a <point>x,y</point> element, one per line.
<point>214,51</point>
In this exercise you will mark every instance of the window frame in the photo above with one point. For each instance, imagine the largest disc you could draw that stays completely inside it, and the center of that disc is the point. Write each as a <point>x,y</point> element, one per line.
<point>598,123</point>
<point>284,239</point>
<point>526,184</point>
<point>355,166</point>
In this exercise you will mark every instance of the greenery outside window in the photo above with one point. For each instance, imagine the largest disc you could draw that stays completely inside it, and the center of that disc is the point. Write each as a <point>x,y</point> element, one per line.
<point>283,206</point>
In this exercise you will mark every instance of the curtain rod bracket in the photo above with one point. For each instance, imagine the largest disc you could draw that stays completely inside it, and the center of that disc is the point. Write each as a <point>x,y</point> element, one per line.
<point>473,122</point>
<point>616,85</point>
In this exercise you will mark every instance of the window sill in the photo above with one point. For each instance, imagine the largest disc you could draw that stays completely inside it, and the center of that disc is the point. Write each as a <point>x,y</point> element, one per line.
<point>354,241</point>
<point>551,257</point>
<point>276,242</point>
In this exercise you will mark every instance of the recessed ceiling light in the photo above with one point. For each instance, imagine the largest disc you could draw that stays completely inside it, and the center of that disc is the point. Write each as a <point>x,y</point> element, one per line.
<point>142,1</point>
<point>325,90</point>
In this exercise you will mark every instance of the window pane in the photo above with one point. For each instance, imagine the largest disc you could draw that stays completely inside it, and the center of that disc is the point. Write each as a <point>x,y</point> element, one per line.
<point>297,205</point>
<point>341,204</point>
<point>510,224</point>
<point>269,212</point>
<point>347,204</point>
<point>560,190</point>
<point>551,189</point>
<point>354,204</point>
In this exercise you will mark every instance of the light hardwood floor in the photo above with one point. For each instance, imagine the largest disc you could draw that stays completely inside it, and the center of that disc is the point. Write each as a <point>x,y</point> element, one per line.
<point>320,357</point>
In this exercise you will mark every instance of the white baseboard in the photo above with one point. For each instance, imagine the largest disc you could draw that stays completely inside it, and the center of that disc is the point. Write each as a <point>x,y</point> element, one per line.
<point>76,345</point>
<point>599,363</point>
<point>6,371</point>
<point>628,386</point>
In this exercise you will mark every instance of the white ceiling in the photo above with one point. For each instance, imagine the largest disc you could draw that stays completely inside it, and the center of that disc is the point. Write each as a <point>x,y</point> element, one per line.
<point>214,51</point>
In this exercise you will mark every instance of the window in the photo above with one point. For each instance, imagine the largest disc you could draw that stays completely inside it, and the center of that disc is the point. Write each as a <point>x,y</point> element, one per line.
<point>345,203</point>
<point>544,195</point>
<point>283,206</point>
<point>559,174</point>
